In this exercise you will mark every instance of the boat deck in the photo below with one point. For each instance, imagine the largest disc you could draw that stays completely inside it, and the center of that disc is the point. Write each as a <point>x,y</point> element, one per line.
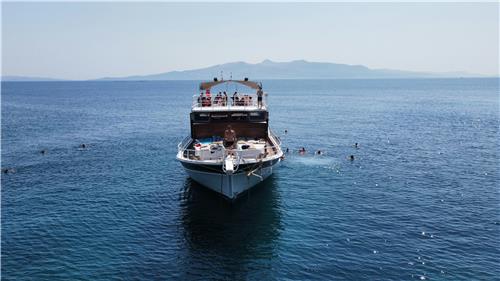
<point>245,149</point>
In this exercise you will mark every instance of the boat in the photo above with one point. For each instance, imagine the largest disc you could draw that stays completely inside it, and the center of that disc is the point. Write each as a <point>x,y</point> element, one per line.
<point>231,147</point>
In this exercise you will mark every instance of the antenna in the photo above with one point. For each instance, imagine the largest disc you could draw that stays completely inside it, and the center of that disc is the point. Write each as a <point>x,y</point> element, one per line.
<point>221,76</point>
<point>230,76</point>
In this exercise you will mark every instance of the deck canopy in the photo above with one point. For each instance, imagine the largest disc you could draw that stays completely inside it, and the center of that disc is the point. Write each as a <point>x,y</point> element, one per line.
<point>250,84</point>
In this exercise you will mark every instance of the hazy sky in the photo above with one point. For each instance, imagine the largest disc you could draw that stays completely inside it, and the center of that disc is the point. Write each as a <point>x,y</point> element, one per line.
<point>91,40</point>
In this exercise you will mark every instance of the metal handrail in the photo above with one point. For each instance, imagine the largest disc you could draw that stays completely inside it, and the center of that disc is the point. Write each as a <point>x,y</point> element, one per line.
<point>276,137</point>
<point>184,142</point>
<point>229,103</point>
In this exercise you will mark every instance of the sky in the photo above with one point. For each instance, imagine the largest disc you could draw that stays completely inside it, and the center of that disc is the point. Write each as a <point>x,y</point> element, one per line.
<point>92,40</point>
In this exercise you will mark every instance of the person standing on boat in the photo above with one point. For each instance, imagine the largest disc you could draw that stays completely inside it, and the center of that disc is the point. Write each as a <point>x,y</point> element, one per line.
<point>224,99</point>
<point>236,99</point>
<point>201,99</point>
<point>260,93</point>
<point>229,137</point>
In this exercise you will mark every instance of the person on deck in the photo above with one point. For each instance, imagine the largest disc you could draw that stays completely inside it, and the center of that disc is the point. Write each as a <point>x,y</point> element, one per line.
<point>201,99</point>
<point>229,138</point>
<point>236,100</point>
<point>224,99</point>
<point>260,93</point>
<point>246,100</point>
<point>208,98</point>
<point>218,99</point>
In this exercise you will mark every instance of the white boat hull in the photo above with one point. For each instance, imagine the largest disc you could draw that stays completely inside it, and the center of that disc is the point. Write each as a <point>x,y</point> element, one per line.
<point>231,185</point>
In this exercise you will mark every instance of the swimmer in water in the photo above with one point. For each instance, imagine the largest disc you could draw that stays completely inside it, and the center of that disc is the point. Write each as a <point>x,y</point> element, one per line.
<point>302,150</point>
<point>356,145</point>
<point>9,171</point>
<point>351,157</point>
<point>287,150</point>
<point>286,131</point>
<point>319,152</point>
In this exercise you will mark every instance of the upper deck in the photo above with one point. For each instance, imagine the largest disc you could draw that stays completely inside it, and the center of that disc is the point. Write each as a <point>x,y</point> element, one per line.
<point>224,102</point>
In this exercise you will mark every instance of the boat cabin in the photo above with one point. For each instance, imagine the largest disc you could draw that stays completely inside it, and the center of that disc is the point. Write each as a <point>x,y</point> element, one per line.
<point>212,112</point>
<point>251,124</point>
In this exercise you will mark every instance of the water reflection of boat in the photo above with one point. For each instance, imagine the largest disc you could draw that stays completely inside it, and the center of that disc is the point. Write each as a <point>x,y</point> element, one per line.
<point>229,238</point>
<point>230,148</point>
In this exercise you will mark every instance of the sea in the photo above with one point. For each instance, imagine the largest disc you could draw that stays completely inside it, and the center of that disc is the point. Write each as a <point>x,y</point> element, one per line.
<point>420,200</point>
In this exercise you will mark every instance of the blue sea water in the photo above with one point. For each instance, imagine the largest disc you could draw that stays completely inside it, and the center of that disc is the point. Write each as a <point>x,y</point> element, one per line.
<point>420,200</point>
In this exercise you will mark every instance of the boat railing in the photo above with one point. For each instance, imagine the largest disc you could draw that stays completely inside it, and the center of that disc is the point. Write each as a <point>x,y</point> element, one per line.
<point>276,137</point>
<point>194,154</point>
<point>184,143</point>
<point>222,102</point>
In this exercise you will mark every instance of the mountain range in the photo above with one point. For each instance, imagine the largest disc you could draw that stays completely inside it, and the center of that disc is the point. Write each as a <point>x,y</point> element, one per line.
<point>267,69</point>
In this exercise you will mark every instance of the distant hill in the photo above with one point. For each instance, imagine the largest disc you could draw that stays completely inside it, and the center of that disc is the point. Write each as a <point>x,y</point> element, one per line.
<point>298,69</point>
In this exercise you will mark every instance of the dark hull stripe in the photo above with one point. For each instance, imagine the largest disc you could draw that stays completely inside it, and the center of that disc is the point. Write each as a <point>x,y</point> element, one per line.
<point>218,168</point>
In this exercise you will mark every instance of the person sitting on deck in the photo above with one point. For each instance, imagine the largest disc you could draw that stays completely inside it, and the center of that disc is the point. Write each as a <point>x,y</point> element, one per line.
<point>229,138</point>
<point>205,101</point>
<point>248,100</point>
<point>208,98</point>
<point>241,101</point>
<point>218,99</point>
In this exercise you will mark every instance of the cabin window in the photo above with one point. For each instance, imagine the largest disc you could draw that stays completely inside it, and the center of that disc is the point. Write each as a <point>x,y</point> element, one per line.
<point>239,116</point>
<point>257,116</point>
<point>218,116</point>
<point>201,117</point>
